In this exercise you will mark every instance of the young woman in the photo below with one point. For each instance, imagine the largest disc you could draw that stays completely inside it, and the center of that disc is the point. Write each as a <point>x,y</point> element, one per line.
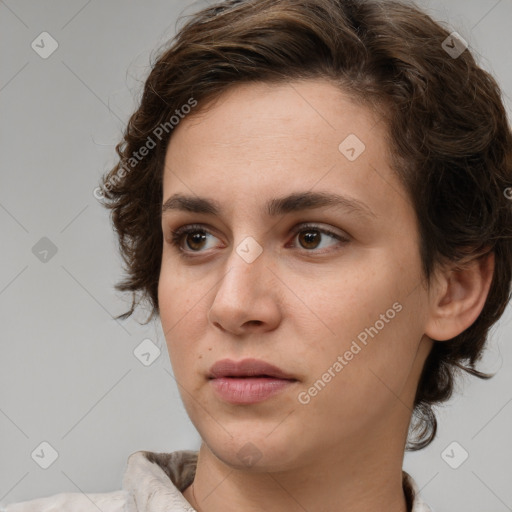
<point>312,198</point>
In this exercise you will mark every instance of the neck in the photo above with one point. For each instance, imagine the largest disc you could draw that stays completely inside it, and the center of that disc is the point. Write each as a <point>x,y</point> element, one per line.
<point>369,478</point>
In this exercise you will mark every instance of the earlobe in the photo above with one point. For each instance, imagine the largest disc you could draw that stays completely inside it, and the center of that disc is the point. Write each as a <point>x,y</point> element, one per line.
<point>459,297</point>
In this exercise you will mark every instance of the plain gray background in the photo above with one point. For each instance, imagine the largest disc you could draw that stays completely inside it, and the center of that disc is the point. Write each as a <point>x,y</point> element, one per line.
<point>69,376</point>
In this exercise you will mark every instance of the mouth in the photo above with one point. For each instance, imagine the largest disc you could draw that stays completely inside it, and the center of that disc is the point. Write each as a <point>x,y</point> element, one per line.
<point>247,368</point>
<point>248,381</point>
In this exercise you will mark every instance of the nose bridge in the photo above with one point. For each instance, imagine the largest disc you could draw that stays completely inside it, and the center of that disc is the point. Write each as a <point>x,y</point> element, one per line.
<point>246,264</point>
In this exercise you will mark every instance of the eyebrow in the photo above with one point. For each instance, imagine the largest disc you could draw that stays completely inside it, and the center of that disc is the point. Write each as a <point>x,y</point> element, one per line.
<point>295,202</point>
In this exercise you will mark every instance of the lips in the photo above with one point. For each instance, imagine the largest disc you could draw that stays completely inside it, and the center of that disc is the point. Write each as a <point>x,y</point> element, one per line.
<point>247,368</point>
<point>249,381</point>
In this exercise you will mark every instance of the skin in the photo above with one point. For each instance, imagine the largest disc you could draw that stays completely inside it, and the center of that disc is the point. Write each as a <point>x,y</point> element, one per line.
<point>299,306</point>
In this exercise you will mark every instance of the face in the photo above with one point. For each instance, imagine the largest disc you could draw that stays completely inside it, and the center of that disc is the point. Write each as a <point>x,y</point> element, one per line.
<point>329,292</point>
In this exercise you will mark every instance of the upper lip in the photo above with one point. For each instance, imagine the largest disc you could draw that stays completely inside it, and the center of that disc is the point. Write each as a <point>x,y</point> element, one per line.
<point>246,368</point>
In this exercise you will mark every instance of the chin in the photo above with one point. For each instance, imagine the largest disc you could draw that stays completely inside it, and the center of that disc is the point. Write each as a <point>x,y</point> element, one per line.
<point>248,450</point>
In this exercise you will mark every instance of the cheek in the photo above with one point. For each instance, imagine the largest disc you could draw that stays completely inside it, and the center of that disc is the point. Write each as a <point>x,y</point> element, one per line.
<point>178,296</point>
<point>370,319</point>
<point>350,394</point>
<point>178,309</point>
<point>340,303</point>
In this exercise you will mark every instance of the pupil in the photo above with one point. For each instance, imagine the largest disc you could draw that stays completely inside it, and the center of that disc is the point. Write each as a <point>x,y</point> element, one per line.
<point>310,237</point>
<point>197,238</point>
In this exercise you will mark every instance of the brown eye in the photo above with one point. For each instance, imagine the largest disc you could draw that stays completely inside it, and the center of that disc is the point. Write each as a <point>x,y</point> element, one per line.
<point>195,239</point>
<point>194,236</point>
<point>311,237</point>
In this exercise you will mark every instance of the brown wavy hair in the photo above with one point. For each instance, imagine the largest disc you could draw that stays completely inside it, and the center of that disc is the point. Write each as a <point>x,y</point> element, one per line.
<point>448,138</point>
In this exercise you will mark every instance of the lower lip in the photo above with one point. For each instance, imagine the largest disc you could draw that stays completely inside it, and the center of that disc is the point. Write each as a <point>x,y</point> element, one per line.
<point>248,390</point>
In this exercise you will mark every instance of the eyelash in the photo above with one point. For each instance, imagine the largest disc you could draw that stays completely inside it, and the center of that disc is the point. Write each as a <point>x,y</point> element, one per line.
<point>177,235</point>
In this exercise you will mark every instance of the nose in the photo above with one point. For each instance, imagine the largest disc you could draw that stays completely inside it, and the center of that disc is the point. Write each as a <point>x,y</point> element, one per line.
<point>246,299</point>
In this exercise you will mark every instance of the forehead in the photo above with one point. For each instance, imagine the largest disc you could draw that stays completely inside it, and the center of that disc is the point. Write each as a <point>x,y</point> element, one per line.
<point>258,138</point>
<point>268,115</point>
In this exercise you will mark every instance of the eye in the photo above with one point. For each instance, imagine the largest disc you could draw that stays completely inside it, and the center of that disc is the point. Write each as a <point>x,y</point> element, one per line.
<point>310,236</point>
<point>194,235</point>
<point>195,238</point>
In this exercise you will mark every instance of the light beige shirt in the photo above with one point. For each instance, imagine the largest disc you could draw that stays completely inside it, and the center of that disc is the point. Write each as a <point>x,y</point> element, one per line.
<point>154,482</point>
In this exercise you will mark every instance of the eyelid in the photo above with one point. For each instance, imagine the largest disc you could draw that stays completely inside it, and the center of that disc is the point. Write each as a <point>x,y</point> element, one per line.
<point>343,236</point>
<point>186,228</point>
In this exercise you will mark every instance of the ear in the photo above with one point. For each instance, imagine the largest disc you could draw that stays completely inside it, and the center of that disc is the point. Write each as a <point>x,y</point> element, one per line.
<point>458,297</point>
